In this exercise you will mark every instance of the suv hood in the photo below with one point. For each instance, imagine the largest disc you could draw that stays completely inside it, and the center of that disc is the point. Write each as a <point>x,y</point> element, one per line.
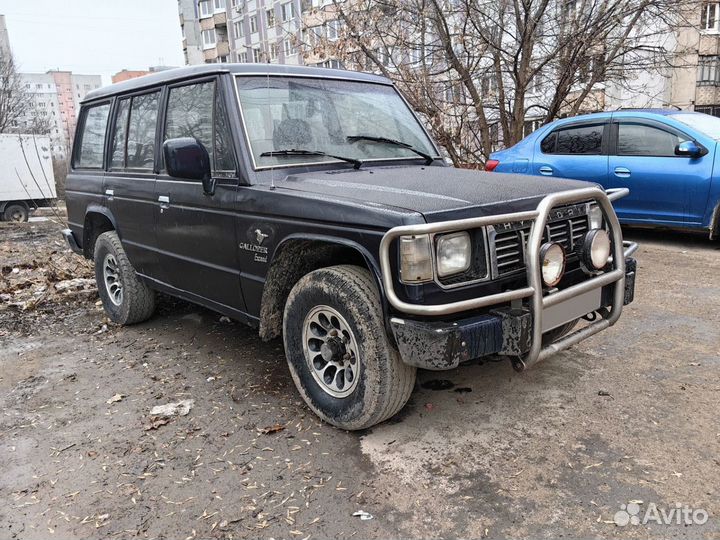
<point>438,193</point>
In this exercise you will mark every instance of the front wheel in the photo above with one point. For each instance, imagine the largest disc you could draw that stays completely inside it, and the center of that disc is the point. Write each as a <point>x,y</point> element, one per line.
<point>126,299</point>
<point>343,364</point>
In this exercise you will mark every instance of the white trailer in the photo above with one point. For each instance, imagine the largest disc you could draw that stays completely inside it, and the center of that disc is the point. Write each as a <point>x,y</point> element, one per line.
<point>26,175</point>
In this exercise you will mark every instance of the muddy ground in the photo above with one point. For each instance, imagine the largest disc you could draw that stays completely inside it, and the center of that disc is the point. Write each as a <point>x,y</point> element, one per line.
<point>629,415</point>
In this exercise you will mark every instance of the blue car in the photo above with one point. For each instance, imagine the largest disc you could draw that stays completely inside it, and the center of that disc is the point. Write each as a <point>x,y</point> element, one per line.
<point>668,159</point>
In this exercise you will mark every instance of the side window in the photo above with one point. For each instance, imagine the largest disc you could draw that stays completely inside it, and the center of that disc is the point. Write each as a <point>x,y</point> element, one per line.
<point>141,131</point>
<point>190,113</point>
<point>198,111</point>
<point>547,146</point>
<point>117,160</point>
<point>92,138</point>
<point>641,140</point>
<point>580,140</point>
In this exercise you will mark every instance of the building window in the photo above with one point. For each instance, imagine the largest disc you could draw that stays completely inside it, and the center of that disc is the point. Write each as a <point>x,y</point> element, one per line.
<point>713,110</point>
<point>710,16</point>
<point>288,48</point>
<point>238,27</point>
<point>273,51</point>
<point>333,29</point>
<point>708,70</point>
<point>206,9</point>
<point>209,38</point>
<point>242,57</point>
<point>287,12</point>
<point>253,24</point>
<point>256,55</point>
<point>270,18</point>
<point>223,59</point>
<point>219,6</point>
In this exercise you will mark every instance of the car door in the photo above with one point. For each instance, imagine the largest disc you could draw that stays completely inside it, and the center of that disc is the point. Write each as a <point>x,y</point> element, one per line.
<point>664,187</point>
<point>130,180</point>
<point>575,151</point>
<point>195,230</point>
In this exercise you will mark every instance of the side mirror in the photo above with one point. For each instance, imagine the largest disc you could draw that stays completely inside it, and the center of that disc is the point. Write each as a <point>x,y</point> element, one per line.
<point>186,157</point>
<point>690,149</point>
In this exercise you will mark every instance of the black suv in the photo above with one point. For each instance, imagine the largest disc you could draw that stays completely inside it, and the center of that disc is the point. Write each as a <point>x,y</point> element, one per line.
<point>312,204</point>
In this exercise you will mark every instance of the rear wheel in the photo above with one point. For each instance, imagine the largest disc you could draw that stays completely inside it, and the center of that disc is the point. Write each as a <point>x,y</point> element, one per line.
<point>126,299</point>
<point>16,212</point>
<point>343,364</point>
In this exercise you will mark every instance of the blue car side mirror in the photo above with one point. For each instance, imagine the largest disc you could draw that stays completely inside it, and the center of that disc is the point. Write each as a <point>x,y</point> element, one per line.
<point>690,149</point>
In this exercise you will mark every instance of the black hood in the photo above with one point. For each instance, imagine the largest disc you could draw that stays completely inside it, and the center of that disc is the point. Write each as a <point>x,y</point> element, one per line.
<point>438,193</point>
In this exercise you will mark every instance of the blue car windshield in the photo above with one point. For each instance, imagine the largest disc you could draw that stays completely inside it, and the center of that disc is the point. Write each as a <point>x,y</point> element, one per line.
<point>704,123</point>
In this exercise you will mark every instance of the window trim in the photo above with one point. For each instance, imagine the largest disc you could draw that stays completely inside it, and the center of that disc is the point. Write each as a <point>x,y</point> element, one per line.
<point>604,142</point>
<point>80,133</point>
<point>615,135</point>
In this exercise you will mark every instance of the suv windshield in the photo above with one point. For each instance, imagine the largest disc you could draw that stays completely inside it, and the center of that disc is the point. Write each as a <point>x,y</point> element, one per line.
<point>327,116</point>
<point>704,123</point>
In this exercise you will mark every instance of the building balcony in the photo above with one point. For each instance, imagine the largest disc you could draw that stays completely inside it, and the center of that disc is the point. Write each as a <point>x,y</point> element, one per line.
<point>221,48</point>
<point>219,19</point>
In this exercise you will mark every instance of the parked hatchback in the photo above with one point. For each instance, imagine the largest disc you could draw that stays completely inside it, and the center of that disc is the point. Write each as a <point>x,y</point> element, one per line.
<point>666,158</point>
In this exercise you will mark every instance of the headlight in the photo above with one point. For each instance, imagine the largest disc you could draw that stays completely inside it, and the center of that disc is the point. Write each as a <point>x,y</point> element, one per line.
<point>596,216</point>
<point>596,249</point>
<point>415,259</point>
<point>453,253</point>
<point>552,261</point>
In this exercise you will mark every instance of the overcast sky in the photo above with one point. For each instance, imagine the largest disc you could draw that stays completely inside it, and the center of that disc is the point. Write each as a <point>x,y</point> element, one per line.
<point>93,36</point>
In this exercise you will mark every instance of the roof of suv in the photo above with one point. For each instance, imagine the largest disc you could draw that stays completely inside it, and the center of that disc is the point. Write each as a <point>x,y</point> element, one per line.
<point>188,72</point>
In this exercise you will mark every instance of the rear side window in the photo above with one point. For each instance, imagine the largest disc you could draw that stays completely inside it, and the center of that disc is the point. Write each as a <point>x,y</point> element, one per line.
<point>581,140</point>
<point>141,131</point>
<point>198,111</point>
<point>641,140</point>
<point>133,143</point>
<point>92,138</point>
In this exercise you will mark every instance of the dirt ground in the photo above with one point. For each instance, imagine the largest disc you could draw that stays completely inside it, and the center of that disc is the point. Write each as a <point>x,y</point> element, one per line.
<point>629,415</point>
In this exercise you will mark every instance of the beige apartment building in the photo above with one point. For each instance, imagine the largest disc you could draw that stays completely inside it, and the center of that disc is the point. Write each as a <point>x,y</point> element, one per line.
<point>256,31</point>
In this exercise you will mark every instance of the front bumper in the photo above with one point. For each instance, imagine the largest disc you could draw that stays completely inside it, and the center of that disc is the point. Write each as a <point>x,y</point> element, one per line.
<point>531,300</point>
<point>441,345</point>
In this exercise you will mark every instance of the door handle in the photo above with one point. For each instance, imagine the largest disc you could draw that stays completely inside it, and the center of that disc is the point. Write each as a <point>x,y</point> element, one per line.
<point>110,194</point>
<point>547,171</point>
<point>164,201</point>
<point>622,172</point>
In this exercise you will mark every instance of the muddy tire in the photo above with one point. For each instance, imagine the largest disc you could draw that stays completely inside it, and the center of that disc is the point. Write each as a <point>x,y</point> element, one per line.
<point>16,212</point>
<point>343,364</point>
<point>126,299</point>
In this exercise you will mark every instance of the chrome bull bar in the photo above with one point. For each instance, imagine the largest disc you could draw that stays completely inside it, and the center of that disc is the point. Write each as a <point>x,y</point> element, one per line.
<point>534,290</point>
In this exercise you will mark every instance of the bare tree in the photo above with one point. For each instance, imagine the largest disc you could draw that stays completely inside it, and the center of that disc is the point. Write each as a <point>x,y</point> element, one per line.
<point>14,100</point>
<point>478,69</point>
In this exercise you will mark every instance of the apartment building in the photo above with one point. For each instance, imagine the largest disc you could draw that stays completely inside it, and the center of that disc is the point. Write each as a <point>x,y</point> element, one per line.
<point>55,102</point>
<point>257,31</point>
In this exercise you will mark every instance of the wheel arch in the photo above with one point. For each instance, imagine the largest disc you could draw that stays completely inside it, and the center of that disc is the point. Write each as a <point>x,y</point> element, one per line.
<point>299,254</point>
<point>98,220</point>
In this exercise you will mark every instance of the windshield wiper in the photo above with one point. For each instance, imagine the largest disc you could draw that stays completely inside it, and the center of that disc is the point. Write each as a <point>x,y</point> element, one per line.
<point>428,158</point>
<point>293,152</point>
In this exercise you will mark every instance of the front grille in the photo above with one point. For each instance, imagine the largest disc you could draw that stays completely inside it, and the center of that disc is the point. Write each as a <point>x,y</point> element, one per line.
<point>511,238</point>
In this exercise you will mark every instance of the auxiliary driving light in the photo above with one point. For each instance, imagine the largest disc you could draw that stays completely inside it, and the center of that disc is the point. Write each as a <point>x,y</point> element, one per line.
<point>595,249</point>
<point>552,259</point>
